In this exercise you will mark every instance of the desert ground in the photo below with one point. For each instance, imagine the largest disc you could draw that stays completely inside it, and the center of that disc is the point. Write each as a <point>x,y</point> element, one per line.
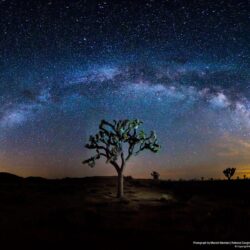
<point>85,211</point>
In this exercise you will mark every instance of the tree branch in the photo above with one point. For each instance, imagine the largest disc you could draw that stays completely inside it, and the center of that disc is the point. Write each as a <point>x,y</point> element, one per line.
<point>116,166</point>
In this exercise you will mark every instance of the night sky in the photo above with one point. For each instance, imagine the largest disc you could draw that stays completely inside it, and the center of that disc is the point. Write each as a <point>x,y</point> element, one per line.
<point>180,66</point>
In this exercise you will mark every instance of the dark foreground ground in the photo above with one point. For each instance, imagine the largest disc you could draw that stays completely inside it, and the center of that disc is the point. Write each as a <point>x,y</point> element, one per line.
<point>84,213</point>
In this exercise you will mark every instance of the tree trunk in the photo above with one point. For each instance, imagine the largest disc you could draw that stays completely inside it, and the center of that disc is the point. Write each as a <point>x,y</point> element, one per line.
<point>120,193</point>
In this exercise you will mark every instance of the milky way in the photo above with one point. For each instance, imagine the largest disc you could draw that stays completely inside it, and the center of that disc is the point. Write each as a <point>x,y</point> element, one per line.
<point>185,77</point>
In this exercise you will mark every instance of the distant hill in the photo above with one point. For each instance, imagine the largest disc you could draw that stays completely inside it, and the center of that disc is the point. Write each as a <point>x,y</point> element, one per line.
<point>35,179</point>
<point>7,177</point>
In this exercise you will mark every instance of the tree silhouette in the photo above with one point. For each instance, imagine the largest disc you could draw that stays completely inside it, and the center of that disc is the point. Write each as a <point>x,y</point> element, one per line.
<point>155,175</point>
<point>229,172</point>
<point>117,141</point>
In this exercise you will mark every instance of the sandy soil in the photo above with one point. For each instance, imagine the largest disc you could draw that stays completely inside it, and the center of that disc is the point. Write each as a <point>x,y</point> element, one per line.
<point>86,211</point>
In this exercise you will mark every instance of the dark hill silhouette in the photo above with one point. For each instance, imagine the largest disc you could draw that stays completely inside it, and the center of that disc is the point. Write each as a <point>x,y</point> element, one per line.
<point>7,177</point>
<point>35,179</point>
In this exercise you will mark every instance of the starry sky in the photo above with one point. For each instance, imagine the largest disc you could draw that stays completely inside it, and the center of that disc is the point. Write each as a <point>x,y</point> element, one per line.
<point>180,66</point>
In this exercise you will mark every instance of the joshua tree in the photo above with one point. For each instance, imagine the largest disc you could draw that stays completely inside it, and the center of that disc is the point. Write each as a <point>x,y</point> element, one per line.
<point>155,175</point>
<point>117,141</point>
<point>229,172</point>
